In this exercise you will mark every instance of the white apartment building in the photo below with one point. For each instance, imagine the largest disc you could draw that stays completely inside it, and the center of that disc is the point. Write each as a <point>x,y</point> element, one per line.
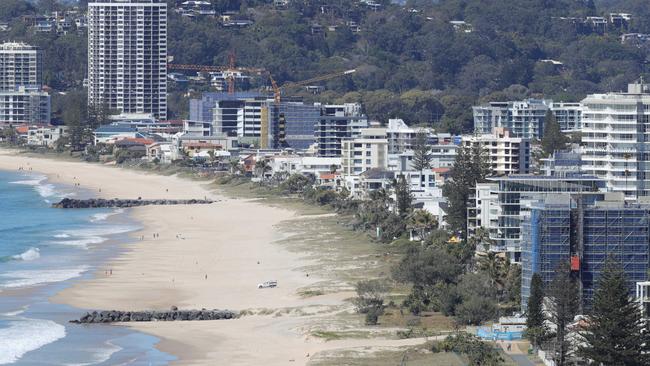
<point>568,115</point>
<point>127,55</point>
<point>526,118</point>
<point>24,106</point>
<point>616,139</point>
<point>506,154</point>
<point>368,151</point>
<point>21,65</point>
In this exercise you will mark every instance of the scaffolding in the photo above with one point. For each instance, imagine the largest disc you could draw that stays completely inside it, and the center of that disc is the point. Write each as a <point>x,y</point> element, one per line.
<point>585,236</point>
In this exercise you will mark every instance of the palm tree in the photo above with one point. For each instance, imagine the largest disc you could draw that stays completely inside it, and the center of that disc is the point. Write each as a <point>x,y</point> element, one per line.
<point>496,267</point>
<point>235,167</point>
<point>422,222</point>
<point>261,167</point>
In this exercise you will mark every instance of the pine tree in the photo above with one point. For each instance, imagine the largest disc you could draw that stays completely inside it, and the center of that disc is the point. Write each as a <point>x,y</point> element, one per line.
<point>535,328</point>
<point>553,138</point>
<point>614,334</point>
<point>403,196</point>
<point>470,167</point>
<point>563,307</point>
<point>421,154</point>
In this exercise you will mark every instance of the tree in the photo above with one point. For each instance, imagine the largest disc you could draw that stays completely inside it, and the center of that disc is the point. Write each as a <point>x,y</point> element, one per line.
<point>496,267</point>
<point>421,154</point>
<point>235,166</point>
<point>553,138</point>
<point>478,352</point>
<point>262,167</point>
<point>613,335</point>
<point>370,299</point>
<point>535,328</point>
<point>564,302</point>
<point>470,167</point>
<point>422,222</point>
<point>403,196</point>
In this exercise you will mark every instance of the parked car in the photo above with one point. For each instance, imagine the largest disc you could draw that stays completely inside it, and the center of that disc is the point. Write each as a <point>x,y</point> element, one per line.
<point>267,284</point>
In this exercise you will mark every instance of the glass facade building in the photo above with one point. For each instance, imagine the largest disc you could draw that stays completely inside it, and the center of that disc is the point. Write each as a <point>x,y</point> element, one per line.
<point>566,230</point>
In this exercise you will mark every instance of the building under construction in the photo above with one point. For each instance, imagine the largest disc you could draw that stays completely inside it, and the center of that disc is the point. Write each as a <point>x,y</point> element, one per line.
<point>564,230</point>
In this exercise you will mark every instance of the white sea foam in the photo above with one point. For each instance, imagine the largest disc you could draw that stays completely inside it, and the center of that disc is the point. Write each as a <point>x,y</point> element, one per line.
<point>44,189</point>
<point>29,255</point>
<point>27,335</point>
<point>100,355</point>
<point>36,277</point>
<point>15,312</point>
<point>105,215</point>
<point>95,235</point>
<point>81,242</point>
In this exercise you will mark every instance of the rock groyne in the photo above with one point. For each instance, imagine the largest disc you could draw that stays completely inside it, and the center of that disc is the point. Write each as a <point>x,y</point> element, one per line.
<point>123,203</point>
<point>114,316</point>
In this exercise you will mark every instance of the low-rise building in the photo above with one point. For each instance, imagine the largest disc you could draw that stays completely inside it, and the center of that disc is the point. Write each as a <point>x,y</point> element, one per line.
<point>161,151</point>
<point>46,135</point>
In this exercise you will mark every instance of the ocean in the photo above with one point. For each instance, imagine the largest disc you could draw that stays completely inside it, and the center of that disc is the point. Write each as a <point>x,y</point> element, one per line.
<point>44,250</point>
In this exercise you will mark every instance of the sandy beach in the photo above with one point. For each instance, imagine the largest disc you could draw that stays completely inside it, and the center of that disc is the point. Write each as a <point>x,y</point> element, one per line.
<point>205,256</point>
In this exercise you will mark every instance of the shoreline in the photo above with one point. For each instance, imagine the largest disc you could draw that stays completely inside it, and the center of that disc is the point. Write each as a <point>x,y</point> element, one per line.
<point>248,223</point>
<point>213,256</point>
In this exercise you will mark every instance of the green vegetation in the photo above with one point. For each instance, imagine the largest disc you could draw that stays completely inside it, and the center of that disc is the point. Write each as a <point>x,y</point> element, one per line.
<point>470,167</point>
<point>411,62</point>
<point>564,302</point>
<point>370,299</point>
<point>615,327</point>
<point>535,328</point>
<point>553,138</point>
<point>478,352</point>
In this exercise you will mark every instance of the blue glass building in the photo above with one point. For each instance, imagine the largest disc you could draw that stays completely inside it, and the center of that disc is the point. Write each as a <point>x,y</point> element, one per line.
<point>565,230</point>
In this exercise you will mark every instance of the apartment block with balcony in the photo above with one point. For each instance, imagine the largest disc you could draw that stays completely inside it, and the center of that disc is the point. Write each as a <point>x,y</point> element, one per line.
<point>337,123</point>
<point>526,118</point>
<point>368,151</point>
<point>24,106</point>
<point>616,139</point>
<point>506,154</point>
<point>127,55</point>
<point>21,65</point>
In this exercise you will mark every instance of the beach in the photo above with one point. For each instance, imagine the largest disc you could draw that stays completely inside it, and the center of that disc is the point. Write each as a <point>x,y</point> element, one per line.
<point>202,256</point>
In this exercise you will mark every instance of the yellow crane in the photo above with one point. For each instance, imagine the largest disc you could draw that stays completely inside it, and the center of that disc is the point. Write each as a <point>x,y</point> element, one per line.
<point>277,90</point>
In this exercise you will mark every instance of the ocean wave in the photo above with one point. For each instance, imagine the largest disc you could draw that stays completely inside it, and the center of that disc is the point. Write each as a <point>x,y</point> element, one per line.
<point>100,355</point>
<point>44,189</point>
<point>15,312</point>
<point>81,242</point>
<point>27,335</point>
<point>88,236</point>
<point>28,278</point>
<point>105,215</point>
<point>28,255</point>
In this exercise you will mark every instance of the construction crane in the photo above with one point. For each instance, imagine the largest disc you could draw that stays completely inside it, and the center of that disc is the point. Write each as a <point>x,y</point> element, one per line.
<point>277,90</point>
<point>229,71</point>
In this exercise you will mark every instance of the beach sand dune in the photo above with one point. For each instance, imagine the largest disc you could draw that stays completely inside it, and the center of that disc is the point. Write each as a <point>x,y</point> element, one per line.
<point>205,256</point>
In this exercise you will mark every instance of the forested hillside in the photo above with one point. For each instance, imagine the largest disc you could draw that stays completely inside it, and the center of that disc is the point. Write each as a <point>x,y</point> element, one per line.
<point>412,63</point>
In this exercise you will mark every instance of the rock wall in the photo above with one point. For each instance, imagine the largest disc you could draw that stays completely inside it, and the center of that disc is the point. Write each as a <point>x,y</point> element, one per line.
<point>123,203</point>
<point>113,316</point>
